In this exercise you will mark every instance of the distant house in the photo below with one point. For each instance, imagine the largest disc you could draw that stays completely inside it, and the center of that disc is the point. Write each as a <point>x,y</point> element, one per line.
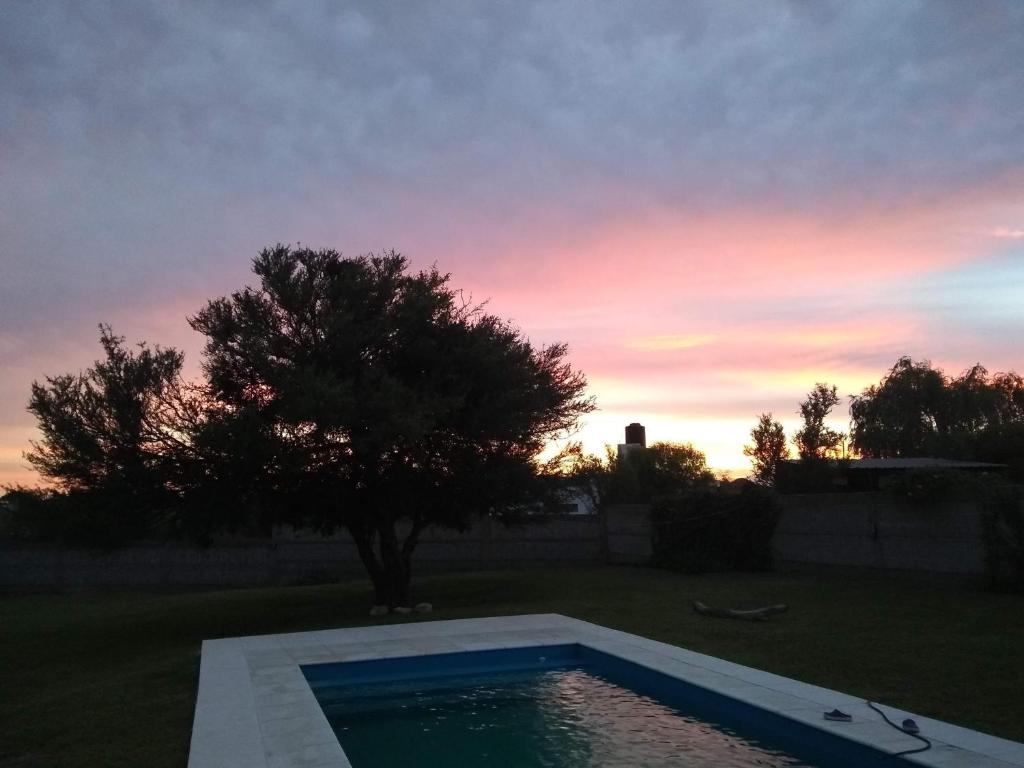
<point>576,501</point>
<point>867,474</point>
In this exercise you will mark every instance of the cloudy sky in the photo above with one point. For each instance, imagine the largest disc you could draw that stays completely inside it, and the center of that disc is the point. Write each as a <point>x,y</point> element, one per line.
<point>715,204</point>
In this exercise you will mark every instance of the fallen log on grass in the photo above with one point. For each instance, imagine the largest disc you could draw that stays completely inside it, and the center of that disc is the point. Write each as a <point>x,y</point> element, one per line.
<point>755,614</point>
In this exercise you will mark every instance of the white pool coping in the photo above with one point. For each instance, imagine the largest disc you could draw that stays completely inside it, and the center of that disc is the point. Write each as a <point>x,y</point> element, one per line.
<point>256,710</point>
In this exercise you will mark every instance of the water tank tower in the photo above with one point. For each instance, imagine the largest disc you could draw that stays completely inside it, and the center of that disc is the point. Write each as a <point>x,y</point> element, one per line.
<point>636,435</point>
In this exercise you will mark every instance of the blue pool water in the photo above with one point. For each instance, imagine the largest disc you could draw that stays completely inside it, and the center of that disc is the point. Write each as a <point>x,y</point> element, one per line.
<point>555,707</point>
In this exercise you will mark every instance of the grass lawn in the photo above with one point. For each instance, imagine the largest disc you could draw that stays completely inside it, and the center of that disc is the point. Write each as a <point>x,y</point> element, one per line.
<point>109,679</point>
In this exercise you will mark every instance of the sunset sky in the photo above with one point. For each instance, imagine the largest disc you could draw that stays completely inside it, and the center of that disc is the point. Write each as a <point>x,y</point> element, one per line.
<point>715,205</point>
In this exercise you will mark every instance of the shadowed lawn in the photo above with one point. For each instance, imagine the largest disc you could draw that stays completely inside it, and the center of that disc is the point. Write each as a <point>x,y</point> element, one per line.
<point>109,679</point>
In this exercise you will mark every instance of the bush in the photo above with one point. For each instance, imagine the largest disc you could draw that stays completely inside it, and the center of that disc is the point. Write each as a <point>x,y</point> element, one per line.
<point>715,529</point>
<point>934,486</point>
<point>811,476</point>
<point>81,518</point>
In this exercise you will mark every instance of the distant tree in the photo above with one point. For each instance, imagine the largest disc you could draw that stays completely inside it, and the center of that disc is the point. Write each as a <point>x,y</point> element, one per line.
<point>902,414</point>
<point>112,442</point>
<point>573,472</point>
<point>1004,442</point>
<point>767,450</point>
<point>109,426</point>
<point>1011,385</point>
<point>814,440</point>
<point>677,465</point>
<point>376,400</point>
<point>663,468</point>
<point>971,403</point>
<point>916,410</point>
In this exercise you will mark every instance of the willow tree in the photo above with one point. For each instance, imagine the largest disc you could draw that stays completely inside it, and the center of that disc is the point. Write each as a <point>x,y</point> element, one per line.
<point>392,405</point>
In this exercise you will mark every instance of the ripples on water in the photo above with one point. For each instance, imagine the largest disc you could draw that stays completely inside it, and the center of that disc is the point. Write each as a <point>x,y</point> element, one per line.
<point>565,718</point>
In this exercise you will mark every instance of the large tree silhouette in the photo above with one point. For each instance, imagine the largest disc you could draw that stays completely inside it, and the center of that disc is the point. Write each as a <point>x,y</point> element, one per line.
<point>381,401</point>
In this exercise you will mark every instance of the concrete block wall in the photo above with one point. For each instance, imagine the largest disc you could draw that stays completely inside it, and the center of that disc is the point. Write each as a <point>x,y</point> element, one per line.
<point>858,530</point>
<point>291,558</point>
<point>876,530</point>
<point>628,530</point>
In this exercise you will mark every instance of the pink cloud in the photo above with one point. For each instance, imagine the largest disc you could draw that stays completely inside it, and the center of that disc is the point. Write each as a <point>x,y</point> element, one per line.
<point>1007,233</point>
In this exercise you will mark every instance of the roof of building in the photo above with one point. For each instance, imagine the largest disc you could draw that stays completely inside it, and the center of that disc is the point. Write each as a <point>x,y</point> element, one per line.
<point>921,462</point>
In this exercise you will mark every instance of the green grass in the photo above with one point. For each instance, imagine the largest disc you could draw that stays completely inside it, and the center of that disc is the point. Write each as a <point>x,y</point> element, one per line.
<point>109,679</point>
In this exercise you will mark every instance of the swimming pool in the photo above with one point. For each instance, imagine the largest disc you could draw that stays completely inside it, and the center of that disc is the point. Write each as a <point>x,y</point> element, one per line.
<point>257,703</point>
<point>565,705</point>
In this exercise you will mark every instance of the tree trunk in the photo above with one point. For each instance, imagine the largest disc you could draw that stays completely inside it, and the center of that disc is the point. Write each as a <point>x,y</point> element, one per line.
<point>389,563</point>
<point>364,539</point>
<point>397,573</point>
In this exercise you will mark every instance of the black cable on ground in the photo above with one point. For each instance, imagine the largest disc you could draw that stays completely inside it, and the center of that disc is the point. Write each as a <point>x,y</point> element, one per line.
<point>919,737</point>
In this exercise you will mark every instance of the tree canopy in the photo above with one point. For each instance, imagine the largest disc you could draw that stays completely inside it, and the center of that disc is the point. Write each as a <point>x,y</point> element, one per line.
<point>381,401</point>
<point>98,426</point>
<point>661,469</point>
<point>767,449</point>
<point>111,440</point>
<point>814,440</point>
<point>916,410</point>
